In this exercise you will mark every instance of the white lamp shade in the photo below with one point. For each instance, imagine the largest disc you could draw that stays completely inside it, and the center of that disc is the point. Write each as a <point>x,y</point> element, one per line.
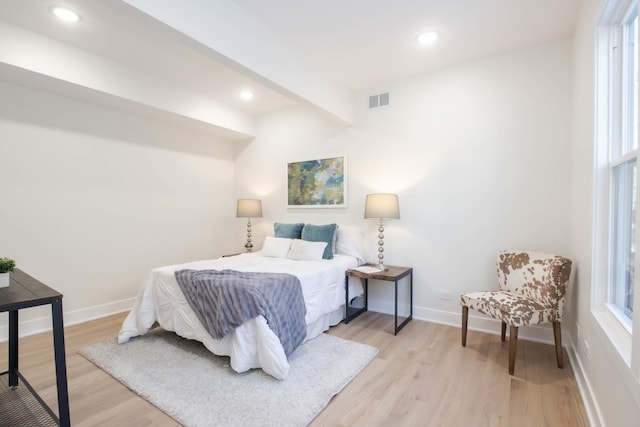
<point>249,208</point>
<point>382,205</point>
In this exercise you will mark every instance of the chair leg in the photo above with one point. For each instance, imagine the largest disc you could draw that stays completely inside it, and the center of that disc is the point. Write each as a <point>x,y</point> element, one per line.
<point>513,346</point>
<point>504,331</point>
<point>557,336</point>
<point>465,318</point>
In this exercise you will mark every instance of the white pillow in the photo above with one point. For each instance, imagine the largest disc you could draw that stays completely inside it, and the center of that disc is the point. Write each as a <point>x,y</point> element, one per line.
<point>351,241</point>
<point>306,251</point>
<point>276,247</point>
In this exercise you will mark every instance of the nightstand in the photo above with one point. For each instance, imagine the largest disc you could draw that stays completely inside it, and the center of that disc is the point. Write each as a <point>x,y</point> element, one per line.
<point>393,274</point>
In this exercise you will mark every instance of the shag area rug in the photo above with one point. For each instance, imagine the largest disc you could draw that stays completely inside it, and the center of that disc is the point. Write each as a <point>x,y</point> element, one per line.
<point>195,387</point>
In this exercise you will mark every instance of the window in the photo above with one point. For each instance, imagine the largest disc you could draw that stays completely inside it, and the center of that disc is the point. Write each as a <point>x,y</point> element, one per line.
<point>616,236</point>
<point>623,148</point>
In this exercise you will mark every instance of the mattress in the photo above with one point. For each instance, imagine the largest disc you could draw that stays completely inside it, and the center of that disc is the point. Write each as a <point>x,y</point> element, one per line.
<point>253,344</point>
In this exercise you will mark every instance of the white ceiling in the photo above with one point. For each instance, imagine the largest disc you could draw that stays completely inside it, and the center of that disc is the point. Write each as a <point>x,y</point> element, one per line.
<point>359,44</point>
<point>366,43</point>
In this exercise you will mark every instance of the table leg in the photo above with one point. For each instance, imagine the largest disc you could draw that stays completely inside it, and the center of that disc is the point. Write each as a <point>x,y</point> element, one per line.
<point>411,295</point>
<point>346,299</point>
<point>13,348</point>
<point>395,312</point>
<point>351,312</point>
<point>365,284</point>
<point>398,328</point>
<point>61,364</point>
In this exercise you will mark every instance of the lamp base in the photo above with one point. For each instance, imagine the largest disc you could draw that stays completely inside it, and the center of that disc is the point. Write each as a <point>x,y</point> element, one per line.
<point>380,266</point>
<point>249,245</point>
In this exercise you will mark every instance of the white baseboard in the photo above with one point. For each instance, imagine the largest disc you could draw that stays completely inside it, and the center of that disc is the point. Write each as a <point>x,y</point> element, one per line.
<point>43,324</point>
<point>586,391</point>
<point>481,323</point>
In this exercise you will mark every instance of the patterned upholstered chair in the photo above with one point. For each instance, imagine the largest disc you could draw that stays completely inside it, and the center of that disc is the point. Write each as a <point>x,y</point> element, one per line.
<point>533,286</point>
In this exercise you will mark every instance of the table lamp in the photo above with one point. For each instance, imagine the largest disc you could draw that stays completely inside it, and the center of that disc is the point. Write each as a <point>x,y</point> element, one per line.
<point>249,208</point>
<point>381,205</point>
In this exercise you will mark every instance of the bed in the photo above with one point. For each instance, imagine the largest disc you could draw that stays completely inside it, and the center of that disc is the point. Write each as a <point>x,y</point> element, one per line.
<point>253,344</point>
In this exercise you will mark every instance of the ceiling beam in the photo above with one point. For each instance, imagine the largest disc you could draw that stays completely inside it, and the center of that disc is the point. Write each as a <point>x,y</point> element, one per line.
<point>248,46</point>
<point>84,75</point>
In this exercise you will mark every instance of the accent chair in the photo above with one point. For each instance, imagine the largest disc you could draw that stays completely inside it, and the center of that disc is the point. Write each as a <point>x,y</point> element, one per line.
<point>532,290</point>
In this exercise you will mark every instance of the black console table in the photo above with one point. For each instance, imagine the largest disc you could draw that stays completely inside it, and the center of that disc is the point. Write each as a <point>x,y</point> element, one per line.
<point>17,405</point>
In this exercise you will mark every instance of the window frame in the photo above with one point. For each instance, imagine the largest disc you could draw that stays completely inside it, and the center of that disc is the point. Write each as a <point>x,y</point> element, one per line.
<point>612,128</point>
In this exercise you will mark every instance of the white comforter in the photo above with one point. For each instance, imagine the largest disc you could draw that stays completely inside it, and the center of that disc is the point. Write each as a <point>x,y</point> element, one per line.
<point>253,344</point>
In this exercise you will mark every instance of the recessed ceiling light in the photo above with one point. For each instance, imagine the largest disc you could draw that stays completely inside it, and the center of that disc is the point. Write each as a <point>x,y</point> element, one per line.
<point>247,95</point>
<point>426,39</point>
<point>65,14</point>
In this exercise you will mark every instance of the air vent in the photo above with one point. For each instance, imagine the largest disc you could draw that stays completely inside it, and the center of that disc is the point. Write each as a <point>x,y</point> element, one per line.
<point>378,100</point>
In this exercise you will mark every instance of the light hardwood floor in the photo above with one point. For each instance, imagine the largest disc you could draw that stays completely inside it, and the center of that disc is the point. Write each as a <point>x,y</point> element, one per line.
<point>422,377</point>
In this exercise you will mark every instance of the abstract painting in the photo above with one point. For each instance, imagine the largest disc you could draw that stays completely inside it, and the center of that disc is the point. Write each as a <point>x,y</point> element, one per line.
<point>317,183</point>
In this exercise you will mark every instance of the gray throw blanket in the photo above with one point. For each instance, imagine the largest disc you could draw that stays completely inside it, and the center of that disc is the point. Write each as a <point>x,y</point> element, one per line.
<point>224,300</point>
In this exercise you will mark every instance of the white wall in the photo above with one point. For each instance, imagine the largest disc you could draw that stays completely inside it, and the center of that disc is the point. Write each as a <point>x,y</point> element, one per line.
<point>92,199</point>
<point>602,373</point>
<point>478,153</point>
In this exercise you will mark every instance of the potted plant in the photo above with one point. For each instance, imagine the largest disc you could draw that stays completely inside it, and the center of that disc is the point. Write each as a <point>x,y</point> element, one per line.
<point>6,265</point>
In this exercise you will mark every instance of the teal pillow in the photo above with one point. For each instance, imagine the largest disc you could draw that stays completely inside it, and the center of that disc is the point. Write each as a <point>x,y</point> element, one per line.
<point>288,231</point>
<point>322,233</point>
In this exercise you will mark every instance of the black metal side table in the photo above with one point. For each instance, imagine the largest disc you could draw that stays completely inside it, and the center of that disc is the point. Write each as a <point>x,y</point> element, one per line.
<point>393,274</point>
<point>26,407</point>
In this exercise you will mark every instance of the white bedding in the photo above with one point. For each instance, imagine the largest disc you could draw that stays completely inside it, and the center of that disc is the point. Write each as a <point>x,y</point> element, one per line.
<point>253,344</point>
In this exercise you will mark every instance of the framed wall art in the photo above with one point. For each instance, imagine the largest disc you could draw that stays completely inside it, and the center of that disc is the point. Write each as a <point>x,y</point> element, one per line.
<point>320,183</point>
